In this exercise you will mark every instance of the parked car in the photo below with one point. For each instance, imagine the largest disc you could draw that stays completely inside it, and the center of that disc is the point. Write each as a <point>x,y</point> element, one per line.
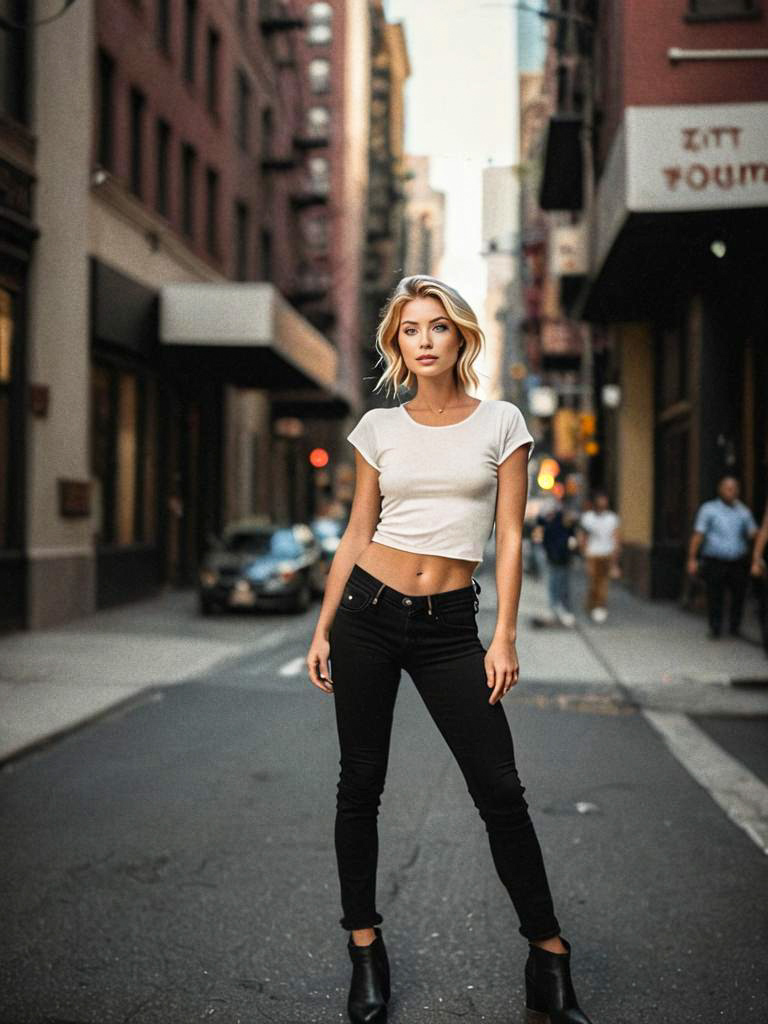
<point>257,564</point>
<point>328,532</point>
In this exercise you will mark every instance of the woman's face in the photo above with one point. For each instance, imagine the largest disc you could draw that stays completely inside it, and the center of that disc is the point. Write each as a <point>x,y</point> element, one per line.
<point>428,340</point>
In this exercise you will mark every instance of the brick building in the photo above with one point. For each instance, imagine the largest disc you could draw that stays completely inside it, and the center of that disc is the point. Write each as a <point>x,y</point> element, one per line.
<point>178,327</point>
<point>657,150</point>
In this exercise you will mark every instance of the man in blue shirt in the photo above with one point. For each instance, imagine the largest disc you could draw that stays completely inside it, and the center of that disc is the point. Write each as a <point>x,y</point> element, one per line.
<point>722,533</point>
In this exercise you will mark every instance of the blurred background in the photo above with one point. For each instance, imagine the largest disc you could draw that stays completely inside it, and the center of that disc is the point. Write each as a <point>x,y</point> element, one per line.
<point>204,205</point>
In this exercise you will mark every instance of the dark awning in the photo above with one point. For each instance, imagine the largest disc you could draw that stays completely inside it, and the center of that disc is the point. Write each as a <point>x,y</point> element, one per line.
<point>562,178</point>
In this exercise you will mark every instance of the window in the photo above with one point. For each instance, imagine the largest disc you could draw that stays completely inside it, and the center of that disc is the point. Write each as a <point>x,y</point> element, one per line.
<point>320,173</point>
<point>162,157</point>
<point>124,455</point>
<point>318,122</point>
<point>319,17</point>
<point>266,255</point>
<point>704,10</point>
<point>267,133</point>
<point>138,106</point>
<point>242,111</point>
<point>212,211</point>
<point>241,241</point>
<point>188,161</point>
<point>190,39</point>
<point>163,25</point>
<point>13,60</point>
<point>106,112</point>
<point>315,230</point>
<point>319,75</point>
<point>212,70</point>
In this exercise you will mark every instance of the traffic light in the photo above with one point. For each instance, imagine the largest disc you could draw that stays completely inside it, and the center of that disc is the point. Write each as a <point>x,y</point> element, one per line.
<point>588,427</point>
<point>319,458</point>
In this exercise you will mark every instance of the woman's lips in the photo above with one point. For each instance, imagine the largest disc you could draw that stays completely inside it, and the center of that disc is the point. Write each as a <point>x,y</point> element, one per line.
<point>426,359</point>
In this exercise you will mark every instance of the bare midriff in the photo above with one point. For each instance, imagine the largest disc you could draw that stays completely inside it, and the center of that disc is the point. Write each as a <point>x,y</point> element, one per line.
<point>415,574</point>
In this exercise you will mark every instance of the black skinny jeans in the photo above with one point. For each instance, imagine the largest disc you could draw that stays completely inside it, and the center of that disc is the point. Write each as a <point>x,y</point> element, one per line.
<point>376,632</point>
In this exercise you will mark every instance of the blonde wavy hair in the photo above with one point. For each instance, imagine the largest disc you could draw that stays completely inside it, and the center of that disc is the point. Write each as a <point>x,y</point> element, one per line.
<point>396,374</point>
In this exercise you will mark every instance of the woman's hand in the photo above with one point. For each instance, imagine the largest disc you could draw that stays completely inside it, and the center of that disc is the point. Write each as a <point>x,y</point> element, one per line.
<point>501,667</point>
<point>317,663</point>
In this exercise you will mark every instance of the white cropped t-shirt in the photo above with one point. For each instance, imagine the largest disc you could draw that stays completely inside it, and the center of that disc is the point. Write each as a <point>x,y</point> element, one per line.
<point>438,484</point>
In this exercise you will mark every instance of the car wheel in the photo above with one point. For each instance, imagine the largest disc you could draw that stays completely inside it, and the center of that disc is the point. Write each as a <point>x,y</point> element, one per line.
<point>304,597</point>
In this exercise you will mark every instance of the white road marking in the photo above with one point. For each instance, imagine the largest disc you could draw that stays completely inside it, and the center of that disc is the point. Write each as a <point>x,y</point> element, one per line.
<point>293,667</point>
<point>743,797</point>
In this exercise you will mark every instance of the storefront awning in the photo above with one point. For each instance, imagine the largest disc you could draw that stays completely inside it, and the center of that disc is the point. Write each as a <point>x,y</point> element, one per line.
<point>683,197</point>
<point>246,334</point>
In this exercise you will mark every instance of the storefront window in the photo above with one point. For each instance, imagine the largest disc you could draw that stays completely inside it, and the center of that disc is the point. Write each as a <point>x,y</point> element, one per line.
<point>124,455</point>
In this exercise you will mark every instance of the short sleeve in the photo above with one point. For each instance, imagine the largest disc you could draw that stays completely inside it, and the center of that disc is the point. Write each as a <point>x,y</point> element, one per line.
<point>363,437</point>
<point>514,433</point>
<point>701,523</point>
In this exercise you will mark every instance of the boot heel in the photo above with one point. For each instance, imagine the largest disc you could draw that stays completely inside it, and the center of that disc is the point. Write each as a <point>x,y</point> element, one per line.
<point>535,1017</point>
<point>534,1003</point>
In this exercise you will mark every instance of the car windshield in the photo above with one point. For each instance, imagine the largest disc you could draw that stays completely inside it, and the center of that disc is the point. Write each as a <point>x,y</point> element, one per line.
<point>279,543</point>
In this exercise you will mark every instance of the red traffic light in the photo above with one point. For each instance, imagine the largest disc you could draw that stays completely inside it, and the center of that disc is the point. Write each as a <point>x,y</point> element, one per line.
<point>319,457</point>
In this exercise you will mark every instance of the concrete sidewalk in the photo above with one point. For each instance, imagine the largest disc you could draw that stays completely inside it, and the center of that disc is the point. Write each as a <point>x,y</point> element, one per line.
<point>54,680</point>
<point>656,655</point>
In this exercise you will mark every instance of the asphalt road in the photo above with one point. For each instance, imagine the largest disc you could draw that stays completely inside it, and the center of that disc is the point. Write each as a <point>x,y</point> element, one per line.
<point>173,863</point>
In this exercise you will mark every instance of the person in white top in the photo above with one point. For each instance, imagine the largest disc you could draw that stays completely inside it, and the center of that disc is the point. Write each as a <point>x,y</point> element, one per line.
<point>600,543</point>
<point>433,476</point>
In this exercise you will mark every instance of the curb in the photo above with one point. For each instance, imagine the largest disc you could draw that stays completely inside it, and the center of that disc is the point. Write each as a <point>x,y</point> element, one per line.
<point>49,739</point>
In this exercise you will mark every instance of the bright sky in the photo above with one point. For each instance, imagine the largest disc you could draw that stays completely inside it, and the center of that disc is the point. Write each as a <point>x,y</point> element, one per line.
<point>461,110</point>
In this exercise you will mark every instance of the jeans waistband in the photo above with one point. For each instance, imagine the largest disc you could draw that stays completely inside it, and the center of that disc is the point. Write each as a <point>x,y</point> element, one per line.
<point>443,600</point>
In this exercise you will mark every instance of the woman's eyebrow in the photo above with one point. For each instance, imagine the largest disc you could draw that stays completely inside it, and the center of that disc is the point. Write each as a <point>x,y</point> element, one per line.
<point>432,321</point>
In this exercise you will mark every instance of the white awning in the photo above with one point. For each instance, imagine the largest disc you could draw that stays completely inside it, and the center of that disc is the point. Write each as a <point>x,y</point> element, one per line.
<point>248,333</point>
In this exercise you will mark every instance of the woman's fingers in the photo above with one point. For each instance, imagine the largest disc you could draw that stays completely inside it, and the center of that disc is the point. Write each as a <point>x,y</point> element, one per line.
<point>319,675</point>
<point>504,678</point>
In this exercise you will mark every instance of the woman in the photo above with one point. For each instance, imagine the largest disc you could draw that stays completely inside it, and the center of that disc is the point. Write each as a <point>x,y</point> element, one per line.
<point>431,477</point>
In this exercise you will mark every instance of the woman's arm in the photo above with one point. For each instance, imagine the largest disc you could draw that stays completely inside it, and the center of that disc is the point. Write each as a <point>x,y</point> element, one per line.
<point>501,663</point>
<point>363,516</point>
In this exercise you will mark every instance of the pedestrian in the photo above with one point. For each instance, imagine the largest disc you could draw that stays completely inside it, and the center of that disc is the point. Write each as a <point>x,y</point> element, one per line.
<point>758,570</point>
<point>401,595</point>
<point>600,544</point>
<point>721,534</point>
<point>559,542</point>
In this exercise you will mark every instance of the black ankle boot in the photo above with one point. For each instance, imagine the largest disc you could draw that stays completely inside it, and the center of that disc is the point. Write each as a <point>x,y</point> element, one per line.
<point>549,994</point>
<point>369,991</point>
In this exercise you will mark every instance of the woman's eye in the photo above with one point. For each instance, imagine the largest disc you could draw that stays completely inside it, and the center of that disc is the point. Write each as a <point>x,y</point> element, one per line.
<point>441,327</point>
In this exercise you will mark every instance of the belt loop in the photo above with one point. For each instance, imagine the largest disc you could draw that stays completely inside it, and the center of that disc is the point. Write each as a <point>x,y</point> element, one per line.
<point>376,599</point>
<point>476,586</point>
<point>429,604</point>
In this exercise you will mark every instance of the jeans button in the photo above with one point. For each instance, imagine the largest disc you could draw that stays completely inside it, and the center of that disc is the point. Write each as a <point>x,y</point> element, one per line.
<point>407,600</point>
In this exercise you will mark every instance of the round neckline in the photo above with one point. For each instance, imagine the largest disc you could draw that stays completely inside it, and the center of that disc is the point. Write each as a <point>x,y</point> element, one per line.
<point>446,426</point>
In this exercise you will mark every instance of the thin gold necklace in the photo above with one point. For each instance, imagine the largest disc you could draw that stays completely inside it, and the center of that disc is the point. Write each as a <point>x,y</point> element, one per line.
<point>439,410</point>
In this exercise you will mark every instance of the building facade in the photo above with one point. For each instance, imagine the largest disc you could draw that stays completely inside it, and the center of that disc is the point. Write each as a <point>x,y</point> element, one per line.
<point>657,148</point>
<point>156,377</point>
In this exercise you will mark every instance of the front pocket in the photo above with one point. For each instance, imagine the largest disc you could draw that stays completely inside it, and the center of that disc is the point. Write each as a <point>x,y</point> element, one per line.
<point>354,599</point>
<point>460,618</point>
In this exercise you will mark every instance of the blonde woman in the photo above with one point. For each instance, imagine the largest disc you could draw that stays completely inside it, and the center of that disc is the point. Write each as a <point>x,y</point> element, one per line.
<point>431,477</point>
